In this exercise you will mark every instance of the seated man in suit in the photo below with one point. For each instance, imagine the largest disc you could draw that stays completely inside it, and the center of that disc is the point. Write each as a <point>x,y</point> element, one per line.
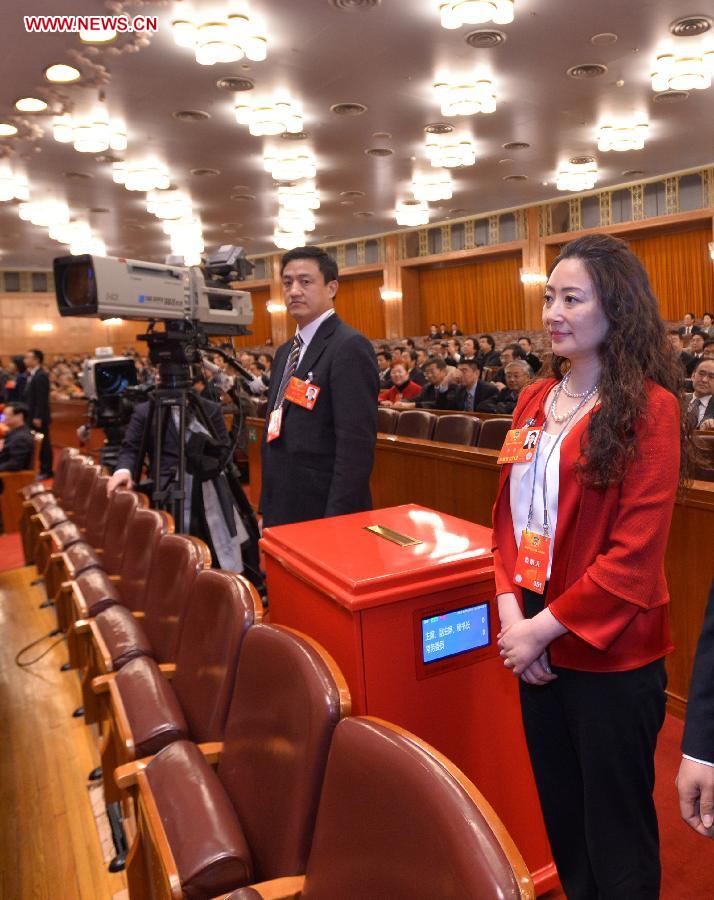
<point>488,356</point>
<point>700,410</point>
<point>384,364</point>
<point>439,393</point>
<point>410,358</point>
<point>696,352</point>
<point>695,781</point>
<point>518,374</point>
<point>468,349</point>
<point>473,392</point>
<point>689,325</point>
<point>526,346</point>
<point>508,354</point>
<point>19,444</point>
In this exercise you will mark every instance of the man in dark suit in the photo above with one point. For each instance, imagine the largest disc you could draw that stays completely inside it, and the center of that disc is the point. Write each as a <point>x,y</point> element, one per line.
<point>473,392</point>
<point>518,374</point>
<point>695,781</point>
<point>438,393</point>
<point>700,410</point>
<point>696,352</point>
<point>689,325</point>
<point>37,398</point>
<point>317,461</point>
<point>18,446</point>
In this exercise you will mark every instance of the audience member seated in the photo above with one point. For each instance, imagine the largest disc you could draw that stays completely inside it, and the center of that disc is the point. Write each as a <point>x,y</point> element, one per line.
<point>700,410</point>
<point>473,392</point>
<point>19,444</point>
<point>518,374</point>
<point>487,354</point>
<point>696,351</point>
<point>708,352</point>
<point>384,364</point>
<point>508,354</point>
<point>439,393</point>
<point>453,351</point>
<point>708,325</point>
<point>422,359</point>
<point>689,325</point>
<point>468,350</point>
<point>402,388</point>
<point>410,359</point>
<point>675,339</point>
<point>455,331</point>
<point>434,332</point>
<point>533,361</point>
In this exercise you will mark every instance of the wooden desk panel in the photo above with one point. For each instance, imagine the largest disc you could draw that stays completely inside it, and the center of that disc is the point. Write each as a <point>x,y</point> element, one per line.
<point>462,481</point>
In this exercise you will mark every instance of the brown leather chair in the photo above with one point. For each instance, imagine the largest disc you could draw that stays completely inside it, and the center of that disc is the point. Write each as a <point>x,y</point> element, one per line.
<point>493,433</point>
<point>39,521</point>
<point>14,483</point>
<point>147,711</point>
<point>397,820</point>
<point>457,429</point>
<point>33,501</point>
<point>203,832</point>
<point>704,466</point>
<point>387,420</point>
<point>119,635</point>
<point>416,423</point>
<point>70,532</point>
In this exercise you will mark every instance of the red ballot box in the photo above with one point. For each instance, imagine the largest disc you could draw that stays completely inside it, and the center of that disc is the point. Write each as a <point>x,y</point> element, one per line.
<point>403,599</point>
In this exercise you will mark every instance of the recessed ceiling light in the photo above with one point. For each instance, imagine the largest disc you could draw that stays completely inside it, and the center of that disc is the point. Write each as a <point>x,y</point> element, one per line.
<point>209,173</point>
<point>503,162</point>
<point>30,104</point>
<point>107,158</point>
<point>690,26</point>
<point>354,5</point>
<point>235,83</point>
<point>77,176</point>
<point>7,130</point>
<point>603,39</point>
<point>348,109</point>
<point>581,160</point>
<point>294,135</point>
<point>632,173</point>
<point>191,115</point>
<point>516,145</point>
<point>347,203</point>
<point>586,70</point>
<point>458,212</point>
<point>242,196</point>
<point>670,96</point>
<point>381,135</point>
<point>98,210</point>
<point>379,151</point>
<point>352,194</point>
<point>363,215</point>
<point>62,74</point>
<point>438,128</point>
<point>515,178</point>
<point>483,38</point>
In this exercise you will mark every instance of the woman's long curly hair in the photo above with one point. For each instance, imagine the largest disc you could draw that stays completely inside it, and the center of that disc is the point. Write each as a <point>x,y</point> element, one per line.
<point>636,348</point>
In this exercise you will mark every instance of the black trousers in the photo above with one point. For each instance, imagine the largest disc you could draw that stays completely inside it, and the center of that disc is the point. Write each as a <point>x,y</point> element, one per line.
<point>591,738</point>
<point>46,452</point>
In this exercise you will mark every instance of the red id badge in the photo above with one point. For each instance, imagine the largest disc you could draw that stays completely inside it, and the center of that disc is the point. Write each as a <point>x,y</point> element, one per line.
<point>274,423</point>
<point>302,393</point>
<point>532,562</point>
<point>519,445</point>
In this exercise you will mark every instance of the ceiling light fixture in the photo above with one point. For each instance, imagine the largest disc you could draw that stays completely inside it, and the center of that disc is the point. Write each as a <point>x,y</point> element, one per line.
<point>222,40</point>
<point>62,74</point>
<point>449,150</point>
<point>411,213</point>
<point>44,212</point>
<point>456,13</point>
<point>465,98</point>
<point>12,185</point>
<point>169,204</point>
<point>290,164</point>
<point>186,237</point>
<point>146,176</point>
<point>30,105</point>
<point>683,73</point>
<point>623,136</point>
<point>295,220</point>
<point>299,196</point>
<point>286,240</point>
<point>577,176</point>
<point>93,134</point>
<point>7,130</point>
<point>270,117</point>
<point>432,186</point>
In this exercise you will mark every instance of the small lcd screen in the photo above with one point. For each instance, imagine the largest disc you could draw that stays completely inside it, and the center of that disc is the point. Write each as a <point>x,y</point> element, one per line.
<point>114,376</point>
<point>455,632</point>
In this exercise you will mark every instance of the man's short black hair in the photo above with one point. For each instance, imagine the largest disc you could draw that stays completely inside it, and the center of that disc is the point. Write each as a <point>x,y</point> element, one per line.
<point>435,361</point>
<point>709,343</point>
<point>702,359</point>
<point>471,363</point>
<point>690,314</point>
<point>413,354</point>
<point>20,409</point>
<point>489,339</point>
<point>327,264</point>
<point>386,354</point>
<point>524,337</point>
<point>39,354</point>
<point>517,350</point>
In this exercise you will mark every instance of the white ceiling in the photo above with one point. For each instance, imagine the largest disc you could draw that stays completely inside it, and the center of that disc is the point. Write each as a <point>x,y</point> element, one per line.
<point>385,55</point>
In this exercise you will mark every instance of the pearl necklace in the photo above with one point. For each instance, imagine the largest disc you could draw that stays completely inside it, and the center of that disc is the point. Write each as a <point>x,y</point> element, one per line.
<point>564,384</point>
<point>566,417</point>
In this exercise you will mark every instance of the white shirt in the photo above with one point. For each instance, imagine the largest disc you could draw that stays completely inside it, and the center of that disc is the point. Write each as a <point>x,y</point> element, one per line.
<point>521,485</point>
<point>307,333</point>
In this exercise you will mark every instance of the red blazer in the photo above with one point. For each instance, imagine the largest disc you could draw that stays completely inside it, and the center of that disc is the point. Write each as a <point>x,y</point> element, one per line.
<point>407,392</point>
<point>607,584</point>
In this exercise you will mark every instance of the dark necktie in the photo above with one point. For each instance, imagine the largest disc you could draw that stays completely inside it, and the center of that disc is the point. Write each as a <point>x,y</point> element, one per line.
<point>469,402</point>
<point>290,368</point>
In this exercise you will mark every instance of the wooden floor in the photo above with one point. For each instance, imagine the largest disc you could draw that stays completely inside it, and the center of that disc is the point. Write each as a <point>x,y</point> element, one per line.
<point>49,847</point>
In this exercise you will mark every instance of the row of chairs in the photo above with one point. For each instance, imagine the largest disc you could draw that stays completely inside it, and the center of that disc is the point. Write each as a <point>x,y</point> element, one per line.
<point>467,431</point>
<point>229,741</point>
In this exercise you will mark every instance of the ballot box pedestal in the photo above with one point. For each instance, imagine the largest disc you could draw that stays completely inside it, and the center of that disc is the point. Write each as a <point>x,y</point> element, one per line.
<point>403,599</point>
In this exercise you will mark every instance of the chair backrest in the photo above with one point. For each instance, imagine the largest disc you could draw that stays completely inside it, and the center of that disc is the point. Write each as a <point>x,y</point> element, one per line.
<point>396,819</point>
<point>121,511</point>
<point>145,530</point>
<point>177,561</point>
<point>222,608</point>
<point>387,420</point>
<point>416,423</point>
<point>97,511</point>
<point>704,468</point>
<point>71,486</point>
<point>86,480</point>
<point>61,470</point>
<point>493,433</point>
<point>289,696</point>
<point>456,429</point>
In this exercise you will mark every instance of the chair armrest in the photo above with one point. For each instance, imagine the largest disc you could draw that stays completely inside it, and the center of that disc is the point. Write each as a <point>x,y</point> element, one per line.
<point>125,775</point>
<point>100,651</point>
<point>168,670</point>
<point>287,888</point>
<point>211,751</point>
<point>80,626</point>
<point>100,684</point>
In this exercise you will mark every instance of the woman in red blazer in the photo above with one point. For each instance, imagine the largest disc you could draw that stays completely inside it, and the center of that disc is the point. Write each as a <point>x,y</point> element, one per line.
<point>403,388</point>
<point>587,641</point>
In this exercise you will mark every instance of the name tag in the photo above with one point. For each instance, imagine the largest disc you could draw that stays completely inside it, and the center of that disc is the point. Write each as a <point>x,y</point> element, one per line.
<point>532,562</point>
<point>274,423</point>
<point>302,393</point>
<point>519,445</point>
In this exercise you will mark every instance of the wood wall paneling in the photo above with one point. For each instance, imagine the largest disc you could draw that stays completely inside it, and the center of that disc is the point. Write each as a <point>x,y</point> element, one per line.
<point>483,295</point>
<point>261,326</point>
<point>359,303</point>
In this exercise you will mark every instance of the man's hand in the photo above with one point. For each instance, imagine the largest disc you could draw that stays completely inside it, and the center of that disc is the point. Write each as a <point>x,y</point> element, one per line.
<point>121,478</point>
<point>707,425</point>
<point>695,784</point>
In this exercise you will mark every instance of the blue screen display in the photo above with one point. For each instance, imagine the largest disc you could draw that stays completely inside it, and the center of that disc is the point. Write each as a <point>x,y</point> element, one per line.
<point>454,632</point>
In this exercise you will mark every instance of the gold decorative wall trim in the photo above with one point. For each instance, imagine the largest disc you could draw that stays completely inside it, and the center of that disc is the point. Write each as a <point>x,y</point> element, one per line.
<point>671,196</point>
<point>521,224</point>
<point>361,256</point>
<point>494,230</point>
<point>606,208</point>
<point>423,242</point>
<point>469,234</point>
<point>545,220</point>
<point>445,238</point>
<point>637,192</point>
<point>575,218</point>
<point>707,177</point>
